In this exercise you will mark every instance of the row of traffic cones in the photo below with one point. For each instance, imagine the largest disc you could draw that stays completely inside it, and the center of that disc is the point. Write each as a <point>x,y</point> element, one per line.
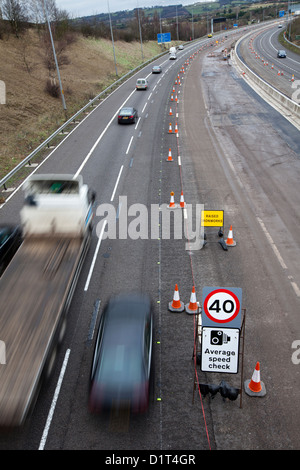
<point>178,306</point>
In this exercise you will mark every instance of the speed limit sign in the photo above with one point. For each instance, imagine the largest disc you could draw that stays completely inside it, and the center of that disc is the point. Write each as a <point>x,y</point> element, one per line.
<point>222,306</point>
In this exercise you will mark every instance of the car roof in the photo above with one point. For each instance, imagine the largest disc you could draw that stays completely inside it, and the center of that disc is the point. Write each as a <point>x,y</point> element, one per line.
<point>123,337</point>
<point>128,109</point>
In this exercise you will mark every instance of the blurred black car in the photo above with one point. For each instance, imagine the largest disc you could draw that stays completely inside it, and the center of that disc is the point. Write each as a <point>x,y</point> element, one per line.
<point>121,367</point>
<point>10,240</point>
<point>127,115</point>
<point>156,69</point>
<point>281,54</point>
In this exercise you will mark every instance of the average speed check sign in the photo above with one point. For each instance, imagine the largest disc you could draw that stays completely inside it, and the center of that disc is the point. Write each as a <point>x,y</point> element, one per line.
<point>222,306</point>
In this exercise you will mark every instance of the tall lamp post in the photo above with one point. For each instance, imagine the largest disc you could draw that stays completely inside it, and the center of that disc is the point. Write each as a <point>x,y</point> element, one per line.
<point>112,37</point>
<point>55,58</point>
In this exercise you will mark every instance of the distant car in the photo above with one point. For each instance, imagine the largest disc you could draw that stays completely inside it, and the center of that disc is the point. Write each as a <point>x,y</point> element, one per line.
<point>180,47</point>
<point>141,84</point>
<point>281,54</point>
<point>127,115</point>
<point>209,35</point>
<point>156,69</point>
<point>10,240</point>
<point>173,57</point>
<point>121,367</point>
<point>280,26</point>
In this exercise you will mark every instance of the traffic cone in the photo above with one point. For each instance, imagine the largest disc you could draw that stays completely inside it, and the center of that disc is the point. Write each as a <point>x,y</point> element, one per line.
<point>170,113</point>
<point>172,204</point>
<point>192,308</point>
<point>182,203</point>
<point>170,128</point>
<point>176,305</point>
<point>254,387</point>
<point>230,241</point>
<point>170,159</point>
<point>172,99</point>
<point>176,128</point>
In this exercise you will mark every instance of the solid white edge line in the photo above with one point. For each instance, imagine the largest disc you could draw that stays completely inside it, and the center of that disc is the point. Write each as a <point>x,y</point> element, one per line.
<point>95,256</point>
<point>274,247</point>
<point>54,401</point>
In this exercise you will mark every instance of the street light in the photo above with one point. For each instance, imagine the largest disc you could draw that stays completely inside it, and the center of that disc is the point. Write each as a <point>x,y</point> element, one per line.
<point>112,37</point>
<point>55,58</point>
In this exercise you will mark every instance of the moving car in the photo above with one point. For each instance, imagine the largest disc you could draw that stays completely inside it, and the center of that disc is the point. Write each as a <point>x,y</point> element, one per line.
<point>156,69</point>
<point>121,365</point>
<point>173,57</point>
<point>209,35</point>
<point>281,54</point>
<point>10,240</point>
<point>141,84</point>
<point>127,115</point>
<point>180,47</point>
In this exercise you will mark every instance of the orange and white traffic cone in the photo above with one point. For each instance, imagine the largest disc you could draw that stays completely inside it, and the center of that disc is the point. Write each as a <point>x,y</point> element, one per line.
<point>182,203</point>
<point>254,387</point>
<point>176,305</point>
<point>176,128</point>
<point>172,204</point>
<point>192,308</point>
<point>172,98</point>
<point>170,159</point>
<point>170,113</point>
<point>230,241</point>
<point>170,128</point>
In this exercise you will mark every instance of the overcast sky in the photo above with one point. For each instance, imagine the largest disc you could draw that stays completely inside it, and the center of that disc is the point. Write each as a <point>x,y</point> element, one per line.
<point>90,7</point>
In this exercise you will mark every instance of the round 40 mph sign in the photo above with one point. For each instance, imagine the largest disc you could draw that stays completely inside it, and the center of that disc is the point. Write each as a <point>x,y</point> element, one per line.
<point>222,306</point>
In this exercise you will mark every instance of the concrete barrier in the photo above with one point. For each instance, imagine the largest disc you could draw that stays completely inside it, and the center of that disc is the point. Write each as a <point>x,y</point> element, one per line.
<point>289,108</point>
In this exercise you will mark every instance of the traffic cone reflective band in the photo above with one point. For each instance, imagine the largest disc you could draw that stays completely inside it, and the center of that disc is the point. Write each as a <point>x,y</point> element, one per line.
<point>170,128</point>
<point>182,203</point>
<point>170,113</point>
<point>192,308</point>
<point>176,305</point>
<point>254,387</point>
<point>230,241</point>
<point>170,159</point>
<point>172,202</point>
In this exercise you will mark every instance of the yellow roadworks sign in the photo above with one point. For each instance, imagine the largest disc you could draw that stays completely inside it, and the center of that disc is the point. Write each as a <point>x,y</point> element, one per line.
<point>212,218</point>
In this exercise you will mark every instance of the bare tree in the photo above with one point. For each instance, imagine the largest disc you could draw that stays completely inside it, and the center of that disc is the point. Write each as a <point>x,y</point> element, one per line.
<point>15,11</point>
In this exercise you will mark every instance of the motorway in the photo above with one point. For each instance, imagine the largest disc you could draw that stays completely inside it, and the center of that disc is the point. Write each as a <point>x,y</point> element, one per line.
<point>259,52</point>
<point>232,152</point>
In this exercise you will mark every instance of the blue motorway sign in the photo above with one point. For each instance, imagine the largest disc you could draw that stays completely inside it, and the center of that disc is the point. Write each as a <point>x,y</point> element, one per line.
<point>281,13</point>
<point>164,37</point>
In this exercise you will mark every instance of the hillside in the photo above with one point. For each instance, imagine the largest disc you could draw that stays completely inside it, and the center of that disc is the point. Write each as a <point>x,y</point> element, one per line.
<point>30,114</point>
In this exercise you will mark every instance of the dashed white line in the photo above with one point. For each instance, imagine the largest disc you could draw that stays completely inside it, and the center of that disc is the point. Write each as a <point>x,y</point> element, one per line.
<point>116,185</point>
<point>54,401</point>
<point>129,145</point>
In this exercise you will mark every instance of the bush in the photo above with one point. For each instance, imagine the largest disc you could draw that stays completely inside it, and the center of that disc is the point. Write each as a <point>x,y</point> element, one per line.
<point>52,88</point>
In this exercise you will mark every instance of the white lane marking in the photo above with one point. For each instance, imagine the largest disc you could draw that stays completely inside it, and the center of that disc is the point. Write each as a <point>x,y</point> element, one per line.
<point>274,247</point>
<point>116,185</point>
<point>144,107</point>
<point>101,136</point>
<point>129,145</point>
<point>95,256</point>
<point>137,124</point>
<point>54,401</point>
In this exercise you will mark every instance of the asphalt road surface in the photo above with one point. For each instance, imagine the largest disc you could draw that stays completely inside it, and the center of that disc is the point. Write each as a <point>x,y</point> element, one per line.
<point>233,153</point>
<point>259,52</point>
